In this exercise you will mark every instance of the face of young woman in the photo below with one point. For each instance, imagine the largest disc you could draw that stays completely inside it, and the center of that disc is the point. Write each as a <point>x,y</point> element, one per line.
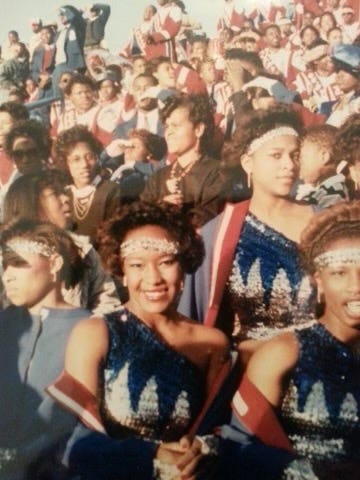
<point>27,283</point>
<point>153,277</point>
<point>181,134</point>
<point>81,163</point>
<point>339,285</point>
<point>54,207</point>
<point>274,165</point>
<point>107,91</point>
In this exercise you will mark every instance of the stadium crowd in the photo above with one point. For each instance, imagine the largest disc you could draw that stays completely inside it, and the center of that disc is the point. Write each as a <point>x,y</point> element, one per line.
<point>180,245</point>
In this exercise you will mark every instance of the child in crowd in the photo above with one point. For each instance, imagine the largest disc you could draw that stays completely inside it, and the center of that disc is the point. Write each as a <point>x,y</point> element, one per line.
<point>323,184</point>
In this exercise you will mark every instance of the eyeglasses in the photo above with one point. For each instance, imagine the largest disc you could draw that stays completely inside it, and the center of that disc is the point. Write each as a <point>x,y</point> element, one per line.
<point>29,152</point>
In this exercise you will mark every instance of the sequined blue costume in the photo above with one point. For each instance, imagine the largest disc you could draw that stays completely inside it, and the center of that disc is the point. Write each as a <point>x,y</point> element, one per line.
<point>267,286</point>
<point>321,408</point>
<point>148,389</point>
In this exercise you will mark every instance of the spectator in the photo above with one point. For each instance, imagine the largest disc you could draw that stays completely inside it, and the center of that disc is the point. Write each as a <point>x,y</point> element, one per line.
<point>44,197</point>
<point>193,180</point>
<point>93,200</point>
<point>322,185</point>
<point>97,16</point>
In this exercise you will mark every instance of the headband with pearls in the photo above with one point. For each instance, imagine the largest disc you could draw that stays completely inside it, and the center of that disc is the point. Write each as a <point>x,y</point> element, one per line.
<point>162,245</point>
<point>335,258</point>
<point>23,247</point>
<point>270,135</point>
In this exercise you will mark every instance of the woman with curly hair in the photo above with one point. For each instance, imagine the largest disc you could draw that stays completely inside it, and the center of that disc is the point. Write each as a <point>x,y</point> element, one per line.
<point>307,381</point>
<point>145,370</point>
<point>193,180</point>
<point>92,198</point>
<point>256,286</point>
<point>38,258</point>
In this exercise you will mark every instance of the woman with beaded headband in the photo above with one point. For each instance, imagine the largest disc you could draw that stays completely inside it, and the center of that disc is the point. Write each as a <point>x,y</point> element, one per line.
<point>305,384</point>
<point>37,259</point>
<point>146,369</point>
<point>256,286</point>
<point>93,199</point>
<point>44,197</point>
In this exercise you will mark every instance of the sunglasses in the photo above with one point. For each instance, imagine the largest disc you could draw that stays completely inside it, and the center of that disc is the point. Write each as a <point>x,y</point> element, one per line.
<point>29,152</point>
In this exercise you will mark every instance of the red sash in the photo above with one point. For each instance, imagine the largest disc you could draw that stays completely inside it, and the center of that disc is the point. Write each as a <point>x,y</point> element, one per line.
<point>76,398</point>
<point>254,412</point>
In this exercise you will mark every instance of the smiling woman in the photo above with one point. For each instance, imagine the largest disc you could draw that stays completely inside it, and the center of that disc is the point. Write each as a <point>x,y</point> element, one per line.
<point>310,376</point>
<point>147,368</point>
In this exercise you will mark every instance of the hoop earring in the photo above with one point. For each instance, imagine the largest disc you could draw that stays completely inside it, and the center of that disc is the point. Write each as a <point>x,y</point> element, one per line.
<point>249,180</point>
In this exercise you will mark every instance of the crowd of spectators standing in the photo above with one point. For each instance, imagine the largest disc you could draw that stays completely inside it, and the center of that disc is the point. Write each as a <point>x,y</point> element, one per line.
<point>241,149</point>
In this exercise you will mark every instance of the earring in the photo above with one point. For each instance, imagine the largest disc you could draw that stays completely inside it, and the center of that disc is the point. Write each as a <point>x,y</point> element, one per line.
<point>249,180</point>
<point>319,297</point>
<point>124,281</point>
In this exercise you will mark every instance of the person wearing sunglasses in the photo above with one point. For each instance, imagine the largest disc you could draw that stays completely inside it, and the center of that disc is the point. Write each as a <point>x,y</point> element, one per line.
<point>28,146</point>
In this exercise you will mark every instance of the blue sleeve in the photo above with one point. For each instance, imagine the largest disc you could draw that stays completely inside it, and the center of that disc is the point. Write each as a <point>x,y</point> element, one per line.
<point>95,456</point>
<point>251,461</point>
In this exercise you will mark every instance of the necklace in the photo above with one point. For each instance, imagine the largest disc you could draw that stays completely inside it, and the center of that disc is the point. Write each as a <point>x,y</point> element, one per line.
<point>82,205</point>
<point>177,173</point>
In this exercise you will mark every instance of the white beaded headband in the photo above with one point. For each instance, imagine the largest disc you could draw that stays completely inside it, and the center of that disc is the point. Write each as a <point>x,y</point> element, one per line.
<point>168,247</point>
<point>24,247</point>
<point>334,258</point>
<point>270,135</point>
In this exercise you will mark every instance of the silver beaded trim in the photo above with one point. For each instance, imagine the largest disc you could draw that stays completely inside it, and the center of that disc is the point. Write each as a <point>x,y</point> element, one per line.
<point>162,245</point>
<point>271,134</point>
<point>23,247</point>
<point>334,258</point>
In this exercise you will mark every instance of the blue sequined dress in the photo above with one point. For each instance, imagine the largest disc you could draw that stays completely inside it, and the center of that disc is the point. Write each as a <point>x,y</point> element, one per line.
<point>321,407</point>
<point>267,287</point>
<point>148,389</point>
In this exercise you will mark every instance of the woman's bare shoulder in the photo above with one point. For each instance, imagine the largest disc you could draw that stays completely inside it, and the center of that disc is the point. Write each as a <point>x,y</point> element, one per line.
<point>210,336</point>
<point>89,333</point>
<point>279,354</point>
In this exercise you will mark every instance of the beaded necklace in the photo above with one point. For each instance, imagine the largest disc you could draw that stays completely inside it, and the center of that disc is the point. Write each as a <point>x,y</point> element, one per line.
<point>177,173</point>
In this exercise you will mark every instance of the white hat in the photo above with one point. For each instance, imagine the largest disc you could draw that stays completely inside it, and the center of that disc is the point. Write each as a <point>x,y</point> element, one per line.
<point>347,10</point>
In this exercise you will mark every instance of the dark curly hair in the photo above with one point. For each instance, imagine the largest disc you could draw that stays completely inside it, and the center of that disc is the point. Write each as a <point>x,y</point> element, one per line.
<point>253,126</point>
<point>68,139</point>
<point>16,111</point>
<point>33,130</point>
<point>347,141</point>
<point>79,79</point>
<point>50,235</point>
<point>140,214</point>
<point>340,221</point>
<point>200,111</point>
<point>154,144</point>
